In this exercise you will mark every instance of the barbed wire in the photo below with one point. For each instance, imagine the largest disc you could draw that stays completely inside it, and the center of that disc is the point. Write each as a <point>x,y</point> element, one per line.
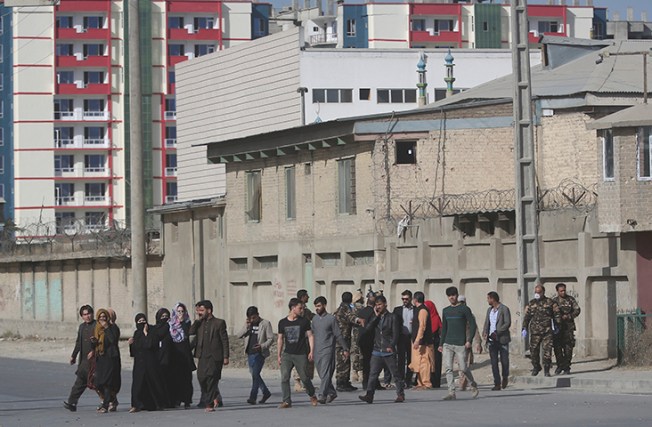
<point>71,235</point>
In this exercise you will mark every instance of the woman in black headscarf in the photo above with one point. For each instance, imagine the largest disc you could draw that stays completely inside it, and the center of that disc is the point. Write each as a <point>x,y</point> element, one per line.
<point>181,361</point>
<point>147,389</point>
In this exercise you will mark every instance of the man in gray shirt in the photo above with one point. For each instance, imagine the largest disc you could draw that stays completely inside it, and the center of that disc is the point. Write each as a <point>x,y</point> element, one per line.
<point>326,332</point>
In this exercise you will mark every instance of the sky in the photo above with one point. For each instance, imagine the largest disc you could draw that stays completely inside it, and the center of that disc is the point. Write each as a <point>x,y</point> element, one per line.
<point>619,6</point>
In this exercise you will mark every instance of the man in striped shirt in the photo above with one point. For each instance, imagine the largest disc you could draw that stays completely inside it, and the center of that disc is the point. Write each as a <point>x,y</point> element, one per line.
<point>458,329</point>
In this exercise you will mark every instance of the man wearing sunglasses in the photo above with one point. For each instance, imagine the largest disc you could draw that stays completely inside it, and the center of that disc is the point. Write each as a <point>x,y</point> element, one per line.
<point>404,313</point>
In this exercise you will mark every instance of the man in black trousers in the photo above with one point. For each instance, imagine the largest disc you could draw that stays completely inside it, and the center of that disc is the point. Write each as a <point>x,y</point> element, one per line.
<point>404,315</point>
<point>83,347</point>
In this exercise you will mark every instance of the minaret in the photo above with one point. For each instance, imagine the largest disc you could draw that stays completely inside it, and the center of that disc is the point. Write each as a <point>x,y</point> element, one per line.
<point>449,79</point>
<point>421,71</point>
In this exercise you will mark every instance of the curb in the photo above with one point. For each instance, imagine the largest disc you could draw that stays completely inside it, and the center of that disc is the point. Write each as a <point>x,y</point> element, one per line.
<point>595,384</point>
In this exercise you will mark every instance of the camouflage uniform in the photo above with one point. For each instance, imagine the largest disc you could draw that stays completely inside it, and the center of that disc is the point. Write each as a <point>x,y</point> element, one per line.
<point>564,341</point>
<point>345,319</point>
<point>356,355</point>
<point>539,315</point>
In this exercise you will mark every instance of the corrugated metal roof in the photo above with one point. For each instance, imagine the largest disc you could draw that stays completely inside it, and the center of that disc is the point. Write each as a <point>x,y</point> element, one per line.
<point>639,115</point>
<point>615,74</point>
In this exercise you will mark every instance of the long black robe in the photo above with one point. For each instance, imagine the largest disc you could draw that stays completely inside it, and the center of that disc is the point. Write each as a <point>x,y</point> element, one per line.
<point>179,376</point>
<point>147,388</point>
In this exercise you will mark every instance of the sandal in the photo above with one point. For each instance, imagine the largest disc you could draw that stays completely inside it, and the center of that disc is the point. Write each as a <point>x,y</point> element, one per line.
<point>102,410</point>
<point>133,410</point>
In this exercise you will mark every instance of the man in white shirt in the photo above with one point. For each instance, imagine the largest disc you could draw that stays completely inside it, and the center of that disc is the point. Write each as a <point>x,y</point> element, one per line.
<point>496,333</point>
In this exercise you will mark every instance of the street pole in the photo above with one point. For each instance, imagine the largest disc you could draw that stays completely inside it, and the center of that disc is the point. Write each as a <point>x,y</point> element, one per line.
<point>527,229</point>
<point>137,202</point>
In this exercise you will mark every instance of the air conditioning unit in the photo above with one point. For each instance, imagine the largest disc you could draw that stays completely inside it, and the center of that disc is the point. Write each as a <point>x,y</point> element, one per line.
<point>79,56</point>
<point>80,84</point>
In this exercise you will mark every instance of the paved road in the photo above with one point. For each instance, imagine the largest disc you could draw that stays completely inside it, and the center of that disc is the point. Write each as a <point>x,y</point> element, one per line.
<point>31,394</point>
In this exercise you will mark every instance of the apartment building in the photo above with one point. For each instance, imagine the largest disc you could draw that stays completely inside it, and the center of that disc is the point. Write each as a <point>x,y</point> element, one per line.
<point>64,125</point>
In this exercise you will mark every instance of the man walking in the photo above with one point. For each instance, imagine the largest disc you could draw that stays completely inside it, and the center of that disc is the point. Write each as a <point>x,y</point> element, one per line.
<point>564,341</point>
<point>346,319</point>
<point>327,333</point>
<point>295,344</point>
<point>83,348</point>
<point>457,331</point>
<point>496,333</point>
<point>404,313</point>
<point>385,329</point>
<point>258,337</point>
<point>355,354</point>
<point>212,350</point>
<point>366,338</point>
<point>540,314</point>
<point>423,355</point>
<point>303,297</point>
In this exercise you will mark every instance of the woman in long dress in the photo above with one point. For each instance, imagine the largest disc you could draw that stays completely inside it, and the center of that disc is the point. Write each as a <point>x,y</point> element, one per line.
<point>181,360</point>
<point>105,341</point>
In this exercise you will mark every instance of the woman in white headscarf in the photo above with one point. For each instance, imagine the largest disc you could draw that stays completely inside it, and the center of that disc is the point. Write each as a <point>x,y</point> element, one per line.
<point>181,361</point>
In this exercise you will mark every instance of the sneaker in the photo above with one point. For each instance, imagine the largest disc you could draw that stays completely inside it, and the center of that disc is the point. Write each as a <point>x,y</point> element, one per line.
<point>505,381</point>
<point>265,397</point>
<point>322,401</point>
<point>450,396</point>
<point>400,398</point>
<point>474,392</point>
<point>314,401</point>
<point>251,401</point>
<point>366,398</point>
<point>285,405</point>
<point>70,406</point>
<point>497,387</point>
<point>330,398</point>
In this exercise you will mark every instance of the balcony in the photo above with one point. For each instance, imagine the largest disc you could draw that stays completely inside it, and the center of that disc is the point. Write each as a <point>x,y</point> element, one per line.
<point>80,88</point>
<point>436,37</point>
<point>80,33</point>
<point>78,172</point>
<point>95,200</point>
<point>65,201</point>
<point>194,34</point>
<point>65,171</point>
<point>79,60</point>
<point>83,6</point>
<point>170,115</point>
<point>171,171</point>
<point>433,9</point>
<point>64,143</point>
<point>78,142</point>
<point>171,198</point>
<point>79,115</point>
<point>323,39</point>
<point>170,142</point>
<point>95,115</point>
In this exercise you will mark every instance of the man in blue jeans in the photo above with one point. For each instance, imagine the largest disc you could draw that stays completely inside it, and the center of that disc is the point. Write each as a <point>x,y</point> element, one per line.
<point>258,336</point>
<point>496,333</point>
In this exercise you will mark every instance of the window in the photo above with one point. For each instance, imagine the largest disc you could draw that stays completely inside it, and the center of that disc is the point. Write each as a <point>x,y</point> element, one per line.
<point>418,25</point>
<point>332,96</point>
<point>172,77</point>
<point>253,208</point>
<point>96,49</point>
<point>644,153</point>
<point>175,22</point>
<point>607,155</point>
<point>2,164</point>
<point>64,221</point>
<point>170,165</point>
<point>94,220</point>
<point>350,27</point>
<point>2,109</point>
<point>64,50</point>
<point>260,27</point>
<point>93,22</point>
<point>204,23</point>
<point>176,50</point>
<point>290,193</point>
<point>65,77</point>
<point>204,49</point>
<point>365,94</point>
<point>548,27</point>
<point>64,21</point>
<point>93,107</point>
<point>2,137</point>
<point>406,152</point>
<point>2,81</point>
<point>94,135</point>
<point>93,77</point>
<point>171,192</point>
<point>64,193</point>
<point>170,108</point>
<point>444,25</point>
<point>64,163</point>
<point>170,136</point>
<point>346,186</point>
<point>2,188</point>
<point>94,192</point>
<point>440,93</point>
<point>400,96</point>
<point>94,163</point>
<point>63,136</point>
<point>62,108</point>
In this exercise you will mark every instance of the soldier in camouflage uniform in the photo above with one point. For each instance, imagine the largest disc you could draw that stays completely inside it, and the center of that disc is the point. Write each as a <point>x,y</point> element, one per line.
<point>345,319</point>
<point>355,354</point>
<point>539,315</point>
<point>564,341</point>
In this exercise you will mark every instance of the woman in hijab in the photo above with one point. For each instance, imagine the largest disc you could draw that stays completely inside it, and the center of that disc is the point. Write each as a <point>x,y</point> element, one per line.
<point>147,389</point>
<point>117,380</point>
<point>181,361</point>
<point>105,341</point>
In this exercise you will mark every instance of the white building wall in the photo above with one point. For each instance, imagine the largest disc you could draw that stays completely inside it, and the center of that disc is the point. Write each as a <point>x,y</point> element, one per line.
<point>232,93</point>
<point>388,25</point>
<point>236,22</point>
<point>579,22</point>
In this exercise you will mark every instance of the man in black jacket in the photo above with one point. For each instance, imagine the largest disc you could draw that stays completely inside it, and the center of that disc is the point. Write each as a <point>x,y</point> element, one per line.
<point>366,337</point>
<point>83,347</point>
<point>404,315</point>
<point>386,331</point>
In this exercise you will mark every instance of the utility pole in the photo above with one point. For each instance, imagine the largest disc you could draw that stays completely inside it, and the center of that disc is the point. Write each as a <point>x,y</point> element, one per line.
<point>137,202</point>
<point>527,229</point>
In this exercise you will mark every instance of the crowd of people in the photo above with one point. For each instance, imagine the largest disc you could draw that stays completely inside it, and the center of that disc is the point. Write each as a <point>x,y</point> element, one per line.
<point>360,339</point>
